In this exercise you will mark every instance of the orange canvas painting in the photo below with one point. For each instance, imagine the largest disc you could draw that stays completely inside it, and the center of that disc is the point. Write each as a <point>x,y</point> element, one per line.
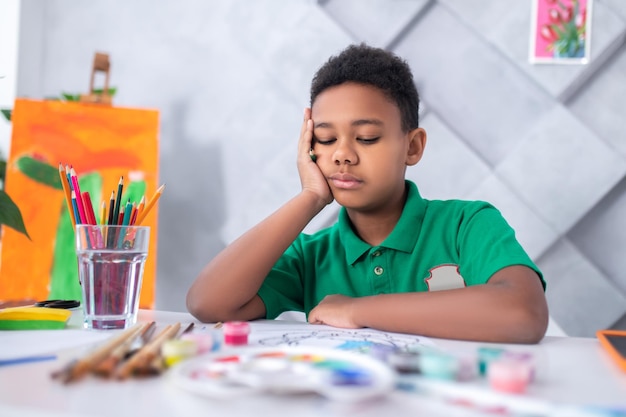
<point>102,143</point>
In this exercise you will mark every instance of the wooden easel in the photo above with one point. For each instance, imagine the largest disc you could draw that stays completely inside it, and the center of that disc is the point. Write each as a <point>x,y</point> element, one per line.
<point>100,63</point>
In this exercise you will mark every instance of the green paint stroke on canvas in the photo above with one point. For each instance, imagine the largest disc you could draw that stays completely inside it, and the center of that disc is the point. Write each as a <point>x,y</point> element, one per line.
<point>64,282</point>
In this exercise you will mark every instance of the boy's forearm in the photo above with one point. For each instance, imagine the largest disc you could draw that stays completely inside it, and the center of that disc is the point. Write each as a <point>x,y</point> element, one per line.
<point>489,313</point>
<point>231,280</point>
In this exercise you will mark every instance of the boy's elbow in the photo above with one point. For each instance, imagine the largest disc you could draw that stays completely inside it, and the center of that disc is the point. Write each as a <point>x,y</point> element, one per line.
<point>532,325</point>
<point>197,308</point>
<point>192,307</point>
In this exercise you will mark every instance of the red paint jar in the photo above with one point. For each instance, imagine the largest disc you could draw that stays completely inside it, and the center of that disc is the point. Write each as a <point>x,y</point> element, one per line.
<point>509,376</point>
<point>236,333</point>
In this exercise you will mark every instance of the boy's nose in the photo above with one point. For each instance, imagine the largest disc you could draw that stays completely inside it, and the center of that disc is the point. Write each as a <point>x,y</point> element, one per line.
<point>344,155</point>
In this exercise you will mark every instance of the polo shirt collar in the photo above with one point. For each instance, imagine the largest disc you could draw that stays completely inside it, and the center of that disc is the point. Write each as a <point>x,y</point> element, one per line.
<point>410,221</point>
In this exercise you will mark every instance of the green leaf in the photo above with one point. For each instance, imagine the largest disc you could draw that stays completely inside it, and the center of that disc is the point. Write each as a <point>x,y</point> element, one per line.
<point>558,30</point>
<point>6,113</point>
<point>39,171</point>
<point>111,91</point>
<point>3,170</point>
<point>10,214</point>
<point>70,97</point>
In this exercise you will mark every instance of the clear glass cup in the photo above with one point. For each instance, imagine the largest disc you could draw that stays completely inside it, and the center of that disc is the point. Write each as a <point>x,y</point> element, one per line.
<point>111,262</point>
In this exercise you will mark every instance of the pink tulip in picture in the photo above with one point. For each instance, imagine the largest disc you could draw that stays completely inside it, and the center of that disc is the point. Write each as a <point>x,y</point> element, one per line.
<point>560,31</point>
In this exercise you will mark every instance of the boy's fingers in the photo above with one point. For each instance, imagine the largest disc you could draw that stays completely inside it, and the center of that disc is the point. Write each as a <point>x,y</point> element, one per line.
<point>305,122</point>
<point>306,137</point>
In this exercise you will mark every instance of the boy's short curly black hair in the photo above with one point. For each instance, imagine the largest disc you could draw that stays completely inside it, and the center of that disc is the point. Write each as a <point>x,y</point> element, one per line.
<point>377,67</point>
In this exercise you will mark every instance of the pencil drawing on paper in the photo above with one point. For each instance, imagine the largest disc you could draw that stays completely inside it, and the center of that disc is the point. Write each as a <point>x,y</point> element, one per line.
<point>355,340</point>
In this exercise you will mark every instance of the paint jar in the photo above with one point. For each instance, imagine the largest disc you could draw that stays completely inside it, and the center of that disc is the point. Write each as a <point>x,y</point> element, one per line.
<point>236,333</point>
<point>486,355</point>
<point>524,357</point>
<point>468,367</point>
<point>439,365</point>
<point>111,262</point>
<point>404,362</point>
<point>509,376</point>
<point>175,350</point>
<point>204,342</point>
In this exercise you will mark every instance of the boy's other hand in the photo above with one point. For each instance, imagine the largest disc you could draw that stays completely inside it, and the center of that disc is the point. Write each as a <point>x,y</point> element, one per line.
<point>311,177</point>
<point>334,310</point>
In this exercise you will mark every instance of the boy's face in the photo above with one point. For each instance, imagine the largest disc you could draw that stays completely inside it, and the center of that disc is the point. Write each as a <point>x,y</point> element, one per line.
<point>360,146</point>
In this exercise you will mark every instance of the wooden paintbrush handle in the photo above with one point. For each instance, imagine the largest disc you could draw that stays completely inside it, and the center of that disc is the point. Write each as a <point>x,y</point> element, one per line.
<point>106,367</point>
<point>146,354</point>
<point>86,364</point>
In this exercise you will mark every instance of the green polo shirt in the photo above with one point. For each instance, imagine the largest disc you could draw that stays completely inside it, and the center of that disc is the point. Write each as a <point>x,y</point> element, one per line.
<point>436,245</point>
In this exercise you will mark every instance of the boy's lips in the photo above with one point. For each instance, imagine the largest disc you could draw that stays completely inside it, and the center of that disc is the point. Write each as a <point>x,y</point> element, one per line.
<point>346,181</point>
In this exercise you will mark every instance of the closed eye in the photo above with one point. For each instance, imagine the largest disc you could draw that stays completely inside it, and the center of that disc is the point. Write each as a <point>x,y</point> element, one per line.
<point>325,141</point>
<point>368,141</point>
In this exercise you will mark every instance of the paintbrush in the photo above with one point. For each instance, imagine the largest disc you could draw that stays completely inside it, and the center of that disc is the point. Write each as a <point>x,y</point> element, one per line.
<point>157,365</point>
<point>78,368</point>
<point>146,354</point>
<point>141,342</point>
<point>108,365</point>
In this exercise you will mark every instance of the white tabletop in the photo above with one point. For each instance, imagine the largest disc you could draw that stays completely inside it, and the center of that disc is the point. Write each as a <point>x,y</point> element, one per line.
<point>572,372</point>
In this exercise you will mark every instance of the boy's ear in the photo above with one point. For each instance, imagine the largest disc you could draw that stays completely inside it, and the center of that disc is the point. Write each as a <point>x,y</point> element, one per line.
<point>417,143</point>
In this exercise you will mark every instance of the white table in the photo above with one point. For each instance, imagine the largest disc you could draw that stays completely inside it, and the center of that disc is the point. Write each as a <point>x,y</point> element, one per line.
<point>574,371</point>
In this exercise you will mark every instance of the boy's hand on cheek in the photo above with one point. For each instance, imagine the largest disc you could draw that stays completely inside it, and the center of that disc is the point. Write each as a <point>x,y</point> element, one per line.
<point>311,176</point>
<point>334,310</point>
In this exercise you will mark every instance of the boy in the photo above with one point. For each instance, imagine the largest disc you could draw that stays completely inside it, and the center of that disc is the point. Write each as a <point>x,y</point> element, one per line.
<point>393,261</point>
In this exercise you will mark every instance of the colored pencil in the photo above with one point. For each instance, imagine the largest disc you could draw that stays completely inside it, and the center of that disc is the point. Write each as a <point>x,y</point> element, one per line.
<point>90,215</point>
<point>68,171</point>
<point>133,217</point>
<point>128,211</point>
<point>75,207</point>
<point>103,212</point>
<point>118,200</point>
<point>79,200</point>
<point>27,359</point>
<point>111,208</point>
<point>140,207</point>
<point>120,216</point>
<point>68,194</point>
<point>150,205</point>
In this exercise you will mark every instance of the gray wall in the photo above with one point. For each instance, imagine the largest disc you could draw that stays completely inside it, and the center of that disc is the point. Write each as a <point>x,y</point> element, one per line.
<point>546,144</point>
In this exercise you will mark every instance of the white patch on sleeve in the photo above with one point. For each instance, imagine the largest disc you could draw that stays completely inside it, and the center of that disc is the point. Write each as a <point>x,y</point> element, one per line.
<point>445,277</point>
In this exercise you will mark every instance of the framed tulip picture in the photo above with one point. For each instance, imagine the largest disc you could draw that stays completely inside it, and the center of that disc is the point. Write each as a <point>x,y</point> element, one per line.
<point>560,31</point>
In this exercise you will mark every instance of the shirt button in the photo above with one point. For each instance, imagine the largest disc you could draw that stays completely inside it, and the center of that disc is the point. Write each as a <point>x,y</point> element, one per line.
<point>376,253</point>
<point>379,270</point>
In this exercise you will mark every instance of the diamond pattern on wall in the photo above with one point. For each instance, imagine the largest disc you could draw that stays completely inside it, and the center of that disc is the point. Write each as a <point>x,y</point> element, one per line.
<point>501,24</point>
<point>449,168</point>
<point>579,291</point>
<point>377,22</point>
<point>563,150</point>
<point>466,81</point>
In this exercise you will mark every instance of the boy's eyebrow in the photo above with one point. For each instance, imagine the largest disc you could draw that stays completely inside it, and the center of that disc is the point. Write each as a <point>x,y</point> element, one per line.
<point>358,122</point>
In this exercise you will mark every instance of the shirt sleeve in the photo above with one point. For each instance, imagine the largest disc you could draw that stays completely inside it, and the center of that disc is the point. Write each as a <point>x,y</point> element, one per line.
<point>487,243</point>
<point>282,289</point>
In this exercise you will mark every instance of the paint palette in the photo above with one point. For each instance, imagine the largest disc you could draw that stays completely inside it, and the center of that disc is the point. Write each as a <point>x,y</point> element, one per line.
<point>334,374</point>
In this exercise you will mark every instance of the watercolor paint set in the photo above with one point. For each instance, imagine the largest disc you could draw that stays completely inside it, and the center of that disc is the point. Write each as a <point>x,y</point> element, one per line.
<point>221,362</point>
<point>331,373</point>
